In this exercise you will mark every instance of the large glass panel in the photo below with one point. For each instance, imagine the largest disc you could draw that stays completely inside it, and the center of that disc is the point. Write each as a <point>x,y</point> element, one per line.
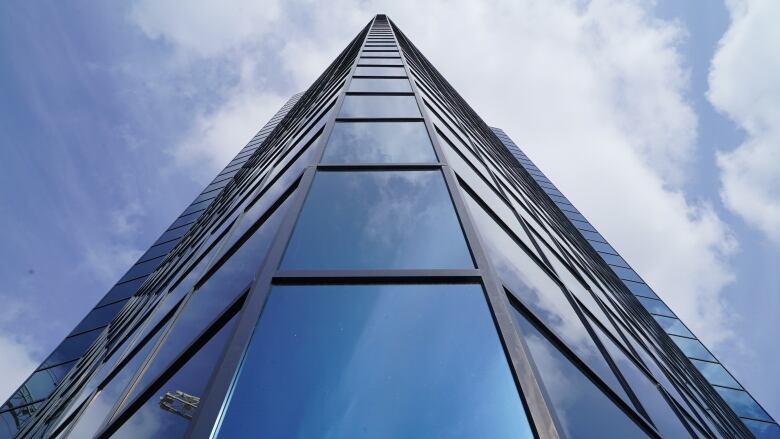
<point>168,412</point>
<point>380,71</point>
<point>98,317</point>
<point>377,220</point>
<point>665,420</point>
<point>536,290</point>
<point>655,306</point>
<point>386,85</point>
<point>380,106</point>
<point>392,361</point>
<point>379,142</point>
<point>582,409</point>
<point>716,374</point>
<point>210,299</point>
<point>380,61</point>
<point>692,348</point>
<point>71,348</point>
<point>11,421</point>
<point>673,326</point>
<point>742,403</point>
<point>763,430</point>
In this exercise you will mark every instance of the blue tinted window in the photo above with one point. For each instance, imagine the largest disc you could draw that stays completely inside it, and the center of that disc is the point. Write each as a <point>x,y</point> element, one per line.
<point>742,403</point>
<point>655,306</point>
<point>380,71</point>
<point>168,412</point>
<point>716,374</point>
<point>394,361</point>
<point>386,85</point>
<point>692,348</point>
<point>71,348</point>
<point>123,291</point>
<point>211,298</point>
<point>640,289</point>
<point>99,317</point>
<point>582,409</point>
<point>380,61</point>
<point>536,290</point>
<point>673,326</point>
<point>380,106</point>
<point>763,430</point>
<point>379,142</point>
<point>12,420</point>
<point>377,220</point>
<point>626,273</point>
<point>661,414</point>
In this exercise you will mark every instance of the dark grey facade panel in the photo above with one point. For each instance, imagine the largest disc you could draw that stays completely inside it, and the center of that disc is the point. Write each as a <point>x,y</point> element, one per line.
<point>378,262</point>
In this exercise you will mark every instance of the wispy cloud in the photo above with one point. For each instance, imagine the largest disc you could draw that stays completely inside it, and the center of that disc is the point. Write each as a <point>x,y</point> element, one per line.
<point>743,84</point>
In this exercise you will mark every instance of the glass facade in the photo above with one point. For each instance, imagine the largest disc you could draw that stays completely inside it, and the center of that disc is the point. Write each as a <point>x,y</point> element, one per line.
<point>380,263</point>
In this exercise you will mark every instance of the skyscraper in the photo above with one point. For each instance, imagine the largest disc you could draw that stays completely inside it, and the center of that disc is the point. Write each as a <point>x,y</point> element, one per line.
<point>378,262</point>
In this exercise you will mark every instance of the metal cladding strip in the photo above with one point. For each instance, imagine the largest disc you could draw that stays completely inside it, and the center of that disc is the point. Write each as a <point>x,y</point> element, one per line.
<point>760,422</point>
<point>33,392</point>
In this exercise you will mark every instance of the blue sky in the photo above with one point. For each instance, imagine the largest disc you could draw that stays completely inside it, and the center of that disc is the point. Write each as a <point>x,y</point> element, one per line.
<point>660,121</point>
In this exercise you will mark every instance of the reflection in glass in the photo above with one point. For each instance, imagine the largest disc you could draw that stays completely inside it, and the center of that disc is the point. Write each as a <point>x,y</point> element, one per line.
<point>763,430</point>
<point>673,326</point>
<point>582,409</point>
<point>742,403</point>
<point>380,61</point>
<point>380,71</point>
<point>377,220</point>
<point>208,301</point>
<point>386,85</point>
<point>379,142</point>
<point>368,361</point>
<point>655,306</point>
<point>661,414</point>
<point>716,374</point>
<point>168,412</point>
<point>536,290</point>
<point>692,348</point>
<point>379,106</point>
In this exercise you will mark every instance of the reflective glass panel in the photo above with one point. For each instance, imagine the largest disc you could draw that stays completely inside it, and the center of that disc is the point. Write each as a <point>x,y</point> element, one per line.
<point>742,403</point>
<point>380,71</point>
<point>692,348</point>
<point>210,299</point>
<point>381,61</point>
<point>536,290</point>
<point>369,361</point>
<point>673,326</point>
<point>716,374</point>
<point>379,142</point>
<point>655,306</point>
<point>661,414</point>
<point>763,430</point>
<point>582,409</point>
<point>168,412</point>
<point>377,220</point>
<point>379,106</point>
<point>386,85</point>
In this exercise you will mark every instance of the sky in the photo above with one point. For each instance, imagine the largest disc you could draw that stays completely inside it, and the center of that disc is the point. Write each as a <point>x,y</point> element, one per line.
<point>659,120</point>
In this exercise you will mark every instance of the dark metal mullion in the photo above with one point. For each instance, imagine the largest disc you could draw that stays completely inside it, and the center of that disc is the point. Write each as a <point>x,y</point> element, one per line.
<point>535,401</point>
<point>207,418</point>
<point>329,167</point>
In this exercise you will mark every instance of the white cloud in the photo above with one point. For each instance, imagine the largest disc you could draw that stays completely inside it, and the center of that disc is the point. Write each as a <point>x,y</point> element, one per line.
<point>18,363</point>
<point>593,91</point>
<point>743,84</point>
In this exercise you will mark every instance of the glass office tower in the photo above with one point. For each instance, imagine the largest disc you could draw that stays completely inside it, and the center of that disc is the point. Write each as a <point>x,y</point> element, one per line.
<point>379,263</point>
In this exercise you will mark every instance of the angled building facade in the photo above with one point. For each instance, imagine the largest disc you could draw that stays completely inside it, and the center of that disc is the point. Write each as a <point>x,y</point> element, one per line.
<point>378,262</point>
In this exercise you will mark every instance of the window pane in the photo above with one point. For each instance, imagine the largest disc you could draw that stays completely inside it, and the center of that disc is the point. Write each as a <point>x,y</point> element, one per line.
<point>380,71</point>
<point>655,306</point>
<point>742,403</point>
<point>377,220</point>
<point>716,374</point>
<point>692,348</point>
<point>582,409</point>
<point>381,61</point>
<point>763,430</point>
<point>537,291</point>
<point>164,415</point>
<point>99,317</point>
<point>387,85</point>
<point>393,361</point>
<point>673,326</point>
<point>380,106</point>
<point>71,348</point>
<point>379,142</point>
